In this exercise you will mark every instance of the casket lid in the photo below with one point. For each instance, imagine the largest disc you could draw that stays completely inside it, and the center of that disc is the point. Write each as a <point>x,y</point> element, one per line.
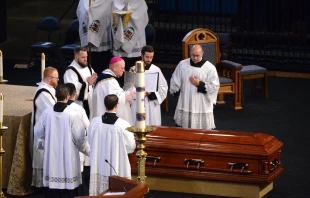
<point>175,139</point>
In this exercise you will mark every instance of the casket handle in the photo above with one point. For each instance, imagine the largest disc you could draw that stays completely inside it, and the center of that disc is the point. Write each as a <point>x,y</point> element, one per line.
<point>153,158</point>
<point>241,166</point>
<point>197,162</point>
<point>274,163</point>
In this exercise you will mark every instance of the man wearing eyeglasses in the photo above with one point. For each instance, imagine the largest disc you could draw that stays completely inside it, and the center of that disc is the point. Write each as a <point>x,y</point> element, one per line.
<point>107,84</point>
<point>43,99</point>
<point>195,83</point>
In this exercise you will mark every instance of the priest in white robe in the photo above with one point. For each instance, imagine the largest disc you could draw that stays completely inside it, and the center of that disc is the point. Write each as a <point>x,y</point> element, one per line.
<point>107,84</point>
<point>82,114</point>
<point>43,99</point>
<point>152,100</point>
<point>195,82</point>
<point>82,76</point>
<point>63,135</point>
<point>84,159</point>
<point>109,142</point>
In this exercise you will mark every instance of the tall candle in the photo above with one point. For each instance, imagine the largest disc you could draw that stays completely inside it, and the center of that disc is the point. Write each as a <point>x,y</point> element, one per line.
<point>42,65</point>
<point>1,66</point>
<point>140,90</point>
<point>1,107</point>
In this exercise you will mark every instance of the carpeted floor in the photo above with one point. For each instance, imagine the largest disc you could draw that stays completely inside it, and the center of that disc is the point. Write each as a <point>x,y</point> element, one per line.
<point>284,115</point>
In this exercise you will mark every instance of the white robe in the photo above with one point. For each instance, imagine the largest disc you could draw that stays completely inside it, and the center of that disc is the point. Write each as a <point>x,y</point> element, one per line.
<point>128,39</point>
<point>152,107</point>
<point>84,160</point>
<point>64,136</point>
<point>43,101</point>
<point>104,88</point>
<point>95,24</point>
<point>195,109</point>
<point>71,77</point>
<point>111,142</point>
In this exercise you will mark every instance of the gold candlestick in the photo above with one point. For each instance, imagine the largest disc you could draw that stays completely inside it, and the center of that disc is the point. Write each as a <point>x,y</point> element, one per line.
<point>140,129</point>
<point>141,154</point>
<point>2,130</point>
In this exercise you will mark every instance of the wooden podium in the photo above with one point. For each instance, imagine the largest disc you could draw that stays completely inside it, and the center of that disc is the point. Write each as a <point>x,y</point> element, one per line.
<point>134,189</point>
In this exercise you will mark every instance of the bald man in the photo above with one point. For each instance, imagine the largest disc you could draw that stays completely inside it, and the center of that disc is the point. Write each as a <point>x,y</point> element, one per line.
<point>195,83</point>
<point>43,99</point>
<point>107,84</point>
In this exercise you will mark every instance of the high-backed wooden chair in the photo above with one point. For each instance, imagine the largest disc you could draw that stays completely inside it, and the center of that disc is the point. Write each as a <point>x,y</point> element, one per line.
<point>225,45</point>
<point>228,71</point>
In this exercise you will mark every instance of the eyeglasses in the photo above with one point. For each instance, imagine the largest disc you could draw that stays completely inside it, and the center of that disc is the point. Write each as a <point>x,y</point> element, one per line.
<point>122,68</point>
<point>54,77</point>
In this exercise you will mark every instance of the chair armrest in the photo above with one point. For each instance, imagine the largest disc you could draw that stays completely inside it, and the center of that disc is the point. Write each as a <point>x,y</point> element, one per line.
<point>226,64</point>
<point>230,70</point>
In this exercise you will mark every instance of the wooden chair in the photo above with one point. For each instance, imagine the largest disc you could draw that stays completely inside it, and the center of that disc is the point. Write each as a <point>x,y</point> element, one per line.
<point>228,71</point>
<point>254,73</point>
<point>225,46</point>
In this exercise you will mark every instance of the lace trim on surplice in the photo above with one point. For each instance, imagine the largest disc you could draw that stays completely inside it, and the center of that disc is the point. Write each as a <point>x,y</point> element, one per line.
<point>194,120</point>
<point>63,179</point>
<point>173,87</point>
<point>97,184</point>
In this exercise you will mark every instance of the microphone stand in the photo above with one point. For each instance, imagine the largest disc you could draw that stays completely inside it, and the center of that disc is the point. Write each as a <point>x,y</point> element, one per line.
<point>116,175</point>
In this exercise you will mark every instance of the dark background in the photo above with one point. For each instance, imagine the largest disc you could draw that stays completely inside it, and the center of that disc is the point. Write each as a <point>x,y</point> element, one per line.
<point>269,33</point>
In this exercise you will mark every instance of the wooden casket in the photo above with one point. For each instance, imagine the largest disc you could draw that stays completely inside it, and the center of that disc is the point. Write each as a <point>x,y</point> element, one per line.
<point>219,157</point>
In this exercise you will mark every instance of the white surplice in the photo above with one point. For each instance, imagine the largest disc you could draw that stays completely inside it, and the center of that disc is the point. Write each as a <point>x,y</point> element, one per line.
<point>84,160</point>
<point>64,136</point>
<point>102,89</point>
<point>95,24</point>
<point>130,38</point>
<point>43,101</point>
<point>195,109</point>
<point>152,107</point>
<point>112,143</point>
<point>71,77</point>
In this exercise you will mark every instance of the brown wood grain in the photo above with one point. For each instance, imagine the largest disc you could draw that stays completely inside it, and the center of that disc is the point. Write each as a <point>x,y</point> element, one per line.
<point>216,149</point>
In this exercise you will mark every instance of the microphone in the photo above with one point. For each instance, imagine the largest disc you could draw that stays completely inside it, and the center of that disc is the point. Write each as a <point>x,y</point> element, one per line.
<point>116,174</point>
